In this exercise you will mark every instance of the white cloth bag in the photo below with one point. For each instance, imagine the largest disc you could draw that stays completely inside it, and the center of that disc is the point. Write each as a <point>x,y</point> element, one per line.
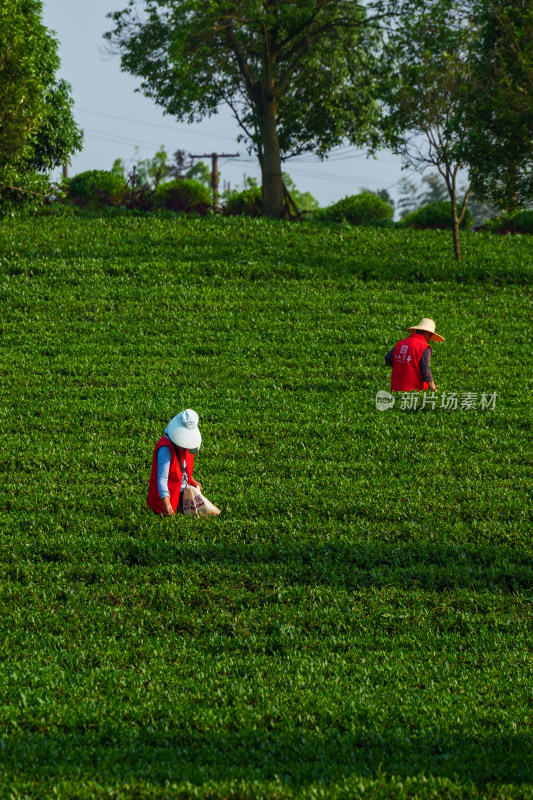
<point>195,504</point>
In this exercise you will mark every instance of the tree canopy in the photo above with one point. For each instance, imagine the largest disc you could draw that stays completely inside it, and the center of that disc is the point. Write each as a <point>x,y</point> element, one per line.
<point>463,79</point>
<point>37,129</point>
<point>430,58</point>
<point>298,76</point>
<point>499,102</point>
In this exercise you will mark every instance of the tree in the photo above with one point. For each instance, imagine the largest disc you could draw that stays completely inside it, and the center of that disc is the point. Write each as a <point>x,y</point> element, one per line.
<point>413,196</point>
<point>200,172</point>
<point>118,168</point>
<point>430,52</point>
<point>498,103</point>
<point>434,189</point>
<point>304,200</point>
<point>408,200</point>
<point>150,172</point>
<point>384,194</point>
<point>37,129</point>
<point>181,165</point>
<point>298,76</point>
<point>482,211</point>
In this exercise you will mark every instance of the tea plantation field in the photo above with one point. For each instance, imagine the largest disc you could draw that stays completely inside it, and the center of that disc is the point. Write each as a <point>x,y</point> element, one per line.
<point>358,621</point>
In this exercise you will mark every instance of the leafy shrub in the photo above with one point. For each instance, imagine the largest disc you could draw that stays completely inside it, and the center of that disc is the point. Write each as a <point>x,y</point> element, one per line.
<point>364,208</point>
<point>523,221</point>
<point>96,189</point>
<point>501,225</point>
<point>183,194</point>
<point>139,197</point>
<point>247,203</point>
<point>519,223</point>
<point>435,215</point>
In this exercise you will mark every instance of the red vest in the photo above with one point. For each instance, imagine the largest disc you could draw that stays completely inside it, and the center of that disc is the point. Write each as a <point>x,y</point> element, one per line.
<point>406,375</point>
<point>175,474</point>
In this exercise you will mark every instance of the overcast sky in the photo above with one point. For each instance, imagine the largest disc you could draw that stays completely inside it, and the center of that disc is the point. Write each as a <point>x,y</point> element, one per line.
<point>116,119</point>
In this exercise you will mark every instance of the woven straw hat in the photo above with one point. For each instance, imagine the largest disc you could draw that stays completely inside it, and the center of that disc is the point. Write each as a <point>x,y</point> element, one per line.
<point>183,430</point>
<point>427,325</point>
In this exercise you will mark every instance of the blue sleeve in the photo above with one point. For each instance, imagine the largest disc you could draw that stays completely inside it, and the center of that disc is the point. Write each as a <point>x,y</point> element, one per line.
<point>163,466</point>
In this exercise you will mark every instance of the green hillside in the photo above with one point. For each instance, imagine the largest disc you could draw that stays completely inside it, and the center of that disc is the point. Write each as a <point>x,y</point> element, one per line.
<point>357,623</point>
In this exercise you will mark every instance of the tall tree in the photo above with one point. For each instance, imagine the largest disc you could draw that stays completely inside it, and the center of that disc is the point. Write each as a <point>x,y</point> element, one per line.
<point>412,196</point>
<point>498,103</point>
<point>408,197</point>
<point>37,129</point>
<point>298,75</point>
<point>433,189</point>
<point>429,54</point>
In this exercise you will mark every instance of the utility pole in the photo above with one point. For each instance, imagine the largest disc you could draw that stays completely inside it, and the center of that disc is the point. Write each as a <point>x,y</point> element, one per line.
<point>214,171</point>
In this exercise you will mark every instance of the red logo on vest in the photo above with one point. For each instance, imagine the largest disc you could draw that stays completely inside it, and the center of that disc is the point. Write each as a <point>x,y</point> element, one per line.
<point>406,375</point>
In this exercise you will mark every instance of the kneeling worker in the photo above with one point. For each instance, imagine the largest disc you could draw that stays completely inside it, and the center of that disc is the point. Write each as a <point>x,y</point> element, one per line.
<point>173,463</point>
<point>410,359</point>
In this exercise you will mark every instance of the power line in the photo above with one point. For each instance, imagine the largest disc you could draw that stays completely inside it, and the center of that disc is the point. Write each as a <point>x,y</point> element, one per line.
<point>120,138</point>
<point>156,124</point>
<point>330,176</point>
<point>337,154</point>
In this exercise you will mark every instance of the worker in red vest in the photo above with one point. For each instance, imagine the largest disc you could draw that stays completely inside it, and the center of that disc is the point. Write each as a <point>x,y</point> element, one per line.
<point>410,359</point>
<point>173,463</point>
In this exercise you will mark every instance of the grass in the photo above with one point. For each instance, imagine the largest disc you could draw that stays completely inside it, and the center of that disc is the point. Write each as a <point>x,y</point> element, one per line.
<point>357,623</point>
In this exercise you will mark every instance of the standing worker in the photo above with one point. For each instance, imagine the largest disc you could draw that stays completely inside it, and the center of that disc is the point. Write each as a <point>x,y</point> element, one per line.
<point>410,359</point>
<point>172,464</point>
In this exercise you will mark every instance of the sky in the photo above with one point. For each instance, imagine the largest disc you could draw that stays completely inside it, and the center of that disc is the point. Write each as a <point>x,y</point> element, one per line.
<point>118,122</point>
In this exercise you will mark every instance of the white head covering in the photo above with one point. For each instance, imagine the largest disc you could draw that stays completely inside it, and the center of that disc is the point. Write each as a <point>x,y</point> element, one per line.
<point>183,430</point>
